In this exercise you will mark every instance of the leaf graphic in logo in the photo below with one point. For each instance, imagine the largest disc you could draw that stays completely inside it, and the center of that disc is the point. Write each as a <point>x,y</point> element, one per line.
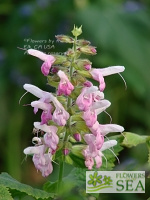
<point>107,180</point>
<point>94,179</point>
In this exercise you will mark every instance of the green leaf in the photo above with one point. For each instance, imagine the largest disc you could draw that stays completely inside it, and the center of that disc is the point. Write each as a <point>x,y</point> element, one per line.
<point>132,139</point>
<point>51,187</point>
<point>77,161</point>
<point>4,193</point>
<point>7,181</point>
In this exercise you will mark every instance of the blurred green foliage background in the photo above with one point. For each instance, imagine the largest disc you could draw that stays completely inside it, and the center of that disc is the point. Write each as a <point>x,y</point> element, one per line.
<point>119,29</point>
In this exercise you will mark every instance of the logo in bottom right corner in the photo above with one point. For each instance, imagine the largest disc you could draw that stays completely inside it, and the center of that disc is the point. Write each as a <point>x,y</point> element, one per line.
<point>115,181</point>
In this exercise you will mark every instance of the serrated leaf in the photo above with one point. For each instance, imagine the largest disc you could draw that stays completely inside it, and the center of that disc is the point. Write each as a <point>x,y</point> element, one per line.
<point>7,181</point>
<point>4,193</point>
<point>132,139</point>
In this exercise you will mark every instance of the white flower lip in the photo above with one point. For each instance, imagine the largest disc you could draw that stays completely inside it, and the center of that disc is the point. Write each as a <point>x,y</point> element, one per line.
<point>37,54</point>
<point>112,70</point>
<point>108,144</point>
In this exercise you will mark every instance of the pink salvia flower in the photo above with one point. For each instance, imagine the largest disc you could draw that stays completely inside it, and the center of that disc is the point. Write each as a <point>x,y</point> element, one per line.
<point>50,138</point>
<point>41,160</point>
<point>65,86</point>
<point>47,109</point>
<point>43,164</point>
<point>98,74</point>
<point>48,60</point>
<point>90,117</point>
<point>85,99</point>
<point>60,115</point>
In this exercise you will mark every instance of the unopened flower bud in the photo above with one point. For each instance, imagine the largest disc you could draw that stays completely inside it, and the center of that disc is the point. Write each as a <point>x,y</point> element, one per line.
<point>77,31</point>
<point>70,53</point>
<point>87,67</point>
<point>65,151</point>
<point>77,137</point>
<point>59,59</point>
<point>90,50</point>
<point>64,38</point>
<point>83,42</point>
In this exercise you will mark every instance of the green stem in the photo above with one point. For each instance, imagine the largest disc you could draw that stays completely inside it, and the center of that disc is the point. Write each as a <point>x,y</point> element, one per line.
<point>69,103</point>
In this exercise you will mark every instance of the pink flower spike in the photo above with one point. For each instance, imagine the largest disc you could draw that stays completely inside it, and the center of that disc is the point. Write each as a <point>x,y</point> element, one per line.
<point>65,86</point>
<point>48,60</point>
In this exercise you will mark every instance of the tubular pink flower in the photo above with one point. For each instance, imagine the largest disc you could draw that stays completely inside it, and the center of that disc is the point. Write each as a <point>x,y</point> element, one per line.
<point>48,60</point>
<point>65,86</point>
<point>43,163</point>
<point>41,160</point>
<point>90,117</point>
<point>44,96</point>
<point>85,99</point>
<point>51,139</point>
<point>60,115</point>
<point>98,74</point>
<point>47,109</point>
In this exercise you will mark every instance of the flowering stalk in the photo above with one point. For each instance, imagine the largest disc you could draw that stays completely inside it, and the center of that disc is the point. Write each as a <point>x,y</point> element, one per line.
<point>69,117</point>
